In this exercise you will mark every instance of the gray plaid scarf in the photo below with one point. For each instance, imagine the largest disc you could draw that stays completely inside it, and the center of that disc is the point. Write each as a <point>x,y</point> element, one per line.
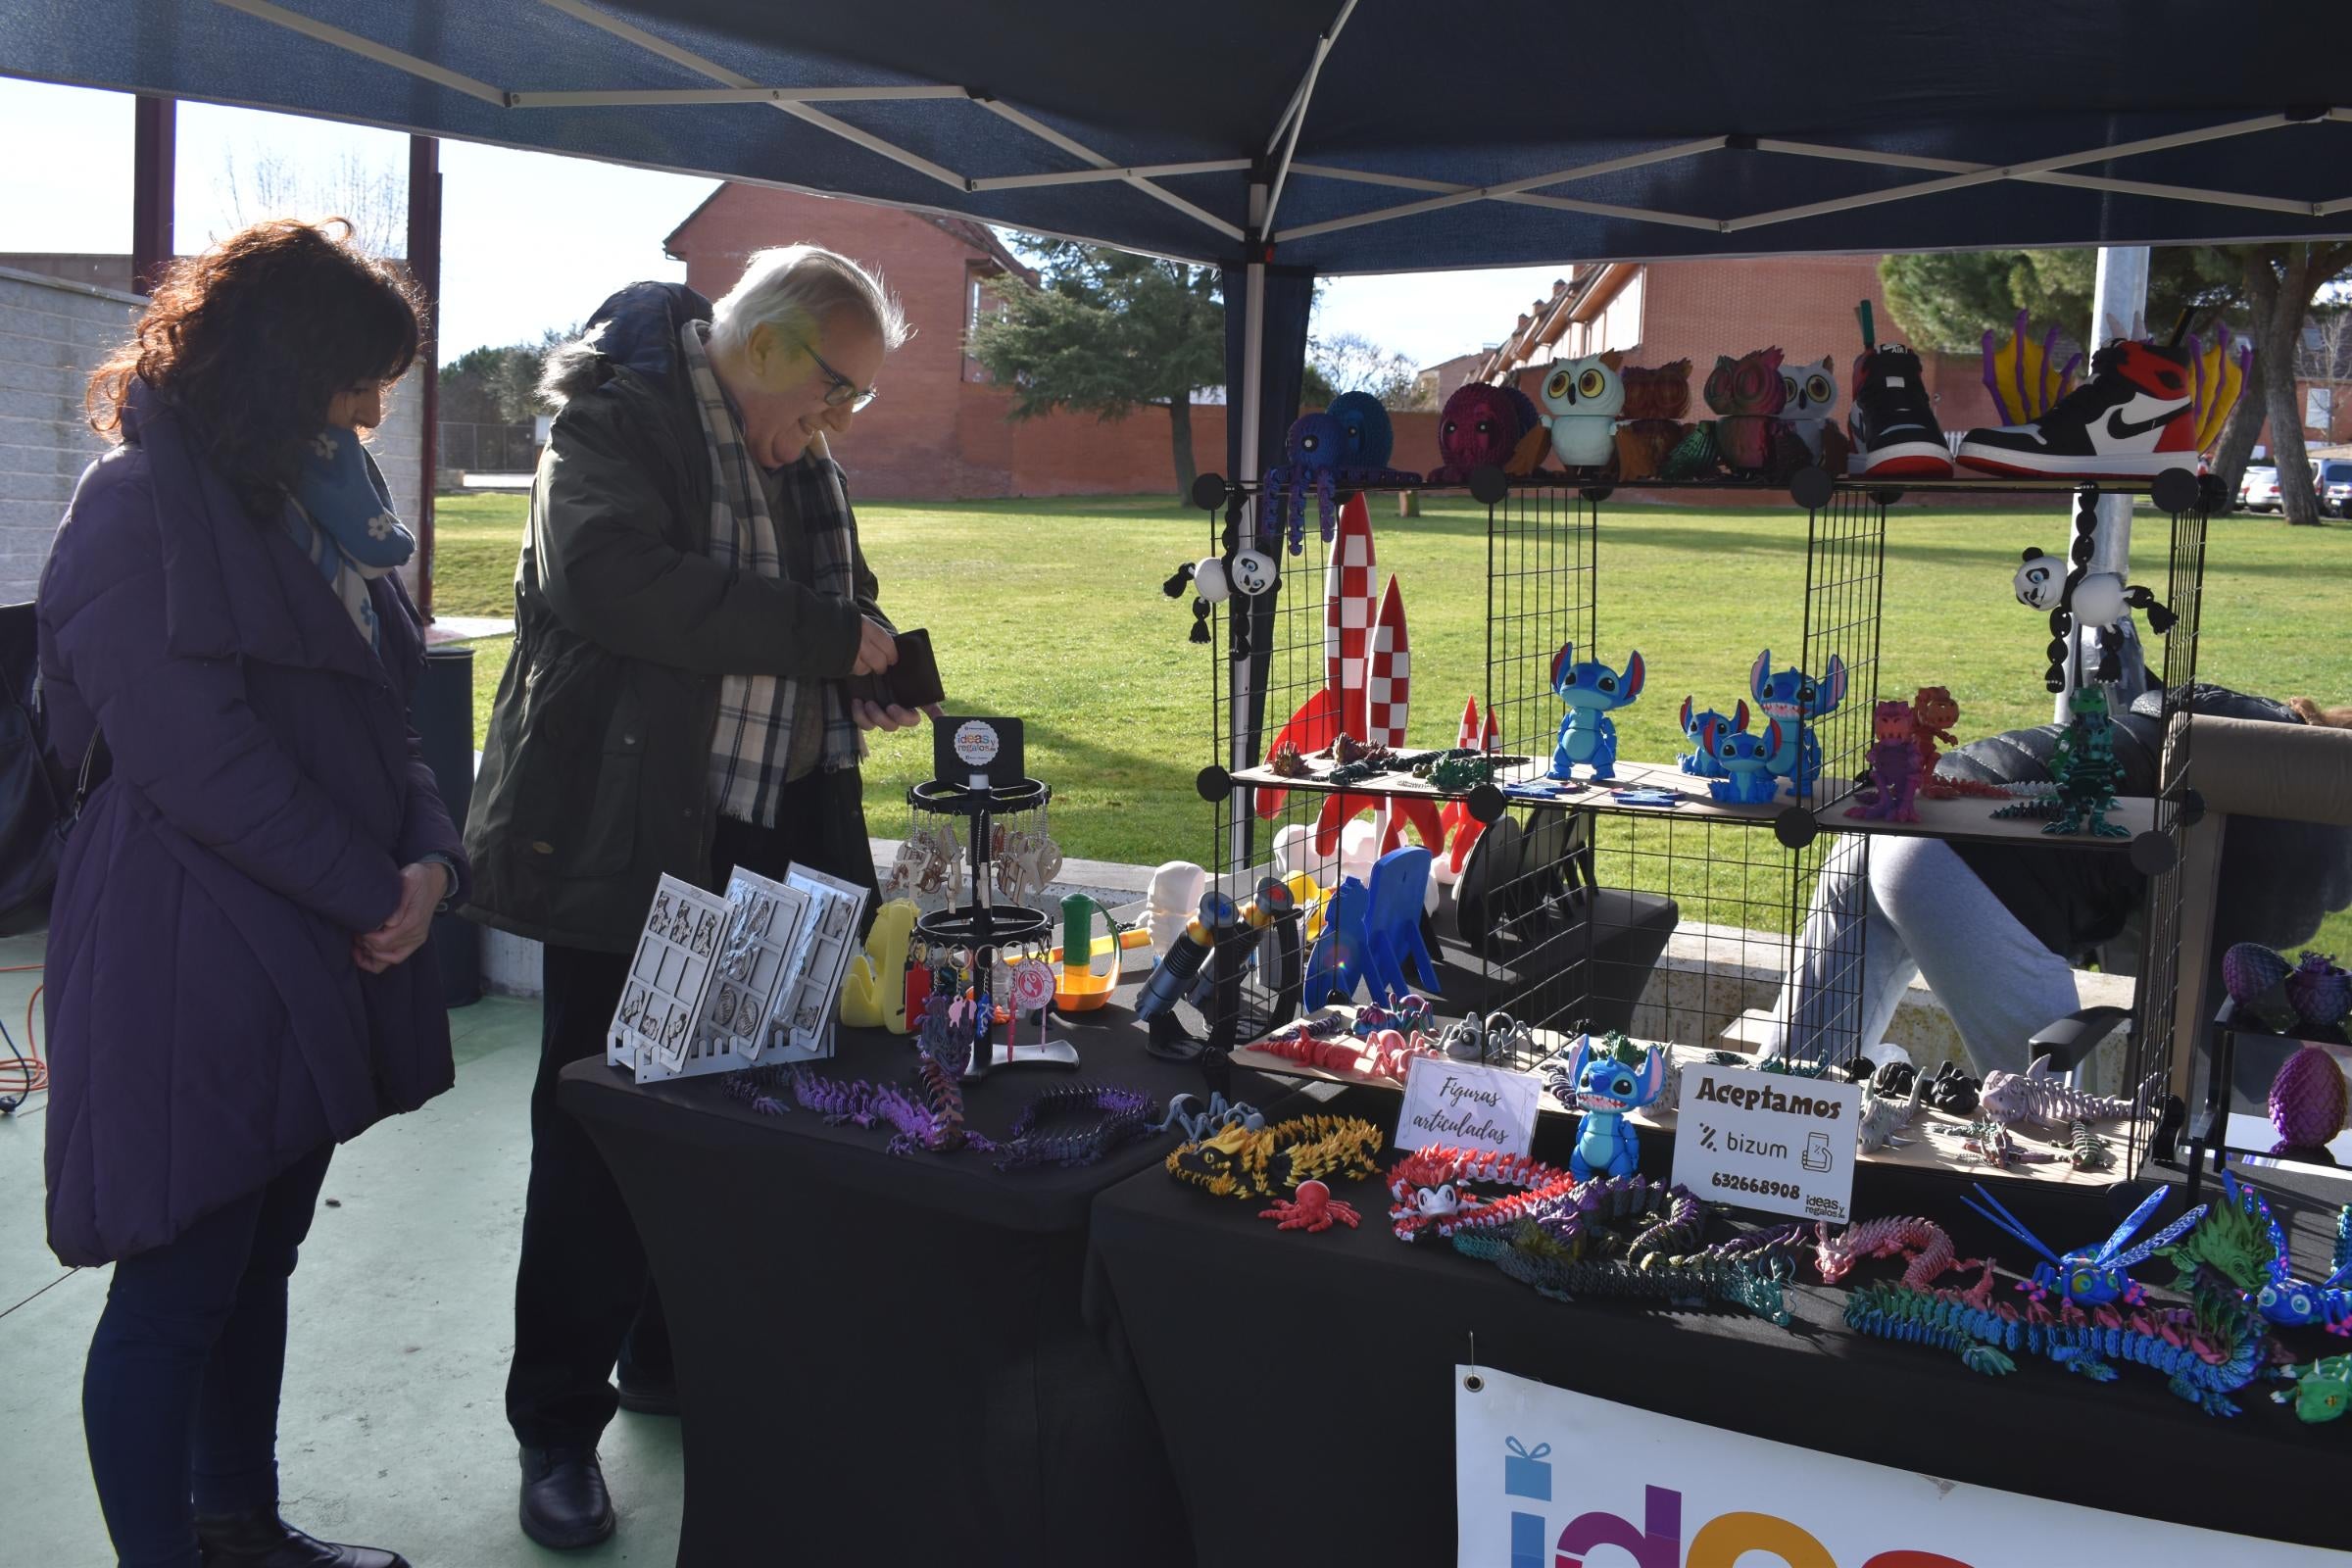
<point>751,748</point>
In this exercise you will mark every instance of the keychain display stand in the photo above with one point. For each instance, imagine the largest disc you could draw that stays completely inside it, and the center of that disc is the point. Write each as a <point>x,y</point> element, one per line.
<point>981,925</point>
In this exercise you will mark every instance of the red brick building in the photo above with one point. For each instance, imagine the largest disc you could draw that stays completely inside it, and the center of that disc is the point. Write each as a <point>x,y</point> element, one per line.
<point>938,431</point>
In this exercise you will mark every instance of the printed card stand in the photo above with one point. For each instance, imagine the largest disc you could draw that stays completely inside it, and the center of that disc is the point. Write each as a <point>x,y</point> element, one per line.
<point>1527,1472</point>
<point>801,1020</point>
<point>676,955</point>
<point>764,921</point>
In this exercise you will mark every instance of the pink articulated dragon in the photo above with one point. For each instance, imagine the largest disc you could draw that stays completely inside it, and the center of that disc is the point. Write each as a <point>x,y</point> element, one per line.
<point>1927,1251</point>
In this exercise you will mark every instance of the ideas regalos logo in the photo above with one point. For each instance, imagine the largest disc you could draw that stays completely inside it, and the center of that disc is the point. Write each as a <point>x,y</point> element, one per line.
<point>1657,1540</point>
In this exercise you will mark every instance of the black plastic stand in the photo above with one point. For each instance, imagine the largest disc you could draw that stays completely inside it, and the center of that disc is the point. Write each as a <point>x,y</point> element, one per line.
<point>985,927</point>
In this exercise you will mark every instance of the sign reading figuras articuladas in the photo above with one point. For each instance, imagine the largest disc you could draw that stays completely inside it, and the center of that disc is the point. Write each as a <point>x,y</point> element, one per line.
<point>1467,1107</point>
<point>1769,1141</point>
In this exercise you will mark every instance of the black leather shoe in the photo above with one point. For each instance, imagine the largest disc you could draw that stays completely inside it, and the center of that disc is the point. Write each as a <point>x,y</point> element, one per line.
<point>262,1540</point>
<point>565,1503</point>
<point>647,1395</point>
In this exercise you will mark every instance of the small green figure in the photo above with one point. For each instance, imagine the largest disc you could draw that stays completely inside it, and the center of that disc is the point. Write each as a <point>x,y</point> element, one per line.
<point>2083,772</point>
<point>2322,1389</point>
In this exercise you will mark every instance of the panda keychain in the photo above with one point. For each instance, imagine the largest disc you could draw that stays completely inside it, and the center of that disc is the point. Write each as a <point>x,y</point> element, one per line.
<point>2084,598</point>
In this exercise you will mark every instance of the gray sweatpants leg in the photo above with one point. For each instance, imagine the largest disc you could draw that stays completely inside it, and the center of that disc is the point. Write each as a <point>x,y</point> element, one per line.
<point>1921,911</point>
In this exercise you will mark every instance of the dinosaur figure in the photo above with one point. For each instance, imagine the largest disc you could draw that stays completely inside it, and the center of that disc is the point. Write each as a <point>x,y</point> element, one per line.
<point>1796,700</point>
<point>1894,766</point>
<point>1621,1078</point>
<point>1934,711</point>
<point>1701,758</point>
<point>2209,1349</point>
<point>2083,774</point>
<point>2322,1387</point>
<point>1591,690</point>
<point>2090,1276</point>
<point>1884,1115</point>
<point>2034,1095</point>
<point>1743,761</point>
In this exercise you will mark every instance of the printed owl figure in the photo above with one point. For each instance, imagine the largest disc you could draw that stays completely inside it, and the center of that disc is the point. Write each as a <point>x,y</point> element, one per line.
<point>1582,398</point>
<point>1811,400</point>
<point>1748,395</point>
<point>1481,424</point>
<point>1650,424</point>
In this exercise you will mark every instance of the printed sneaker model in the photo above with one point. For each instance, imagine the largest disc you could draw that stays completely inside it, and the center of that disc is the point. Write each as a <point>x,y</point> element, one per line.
<point>2132,419</point>
<point>1893,421</point>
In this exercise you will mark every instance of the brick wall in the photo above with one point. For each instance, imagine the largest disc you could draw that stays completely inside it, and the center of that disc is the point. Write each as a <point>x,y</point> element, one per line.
<point>51,333</point>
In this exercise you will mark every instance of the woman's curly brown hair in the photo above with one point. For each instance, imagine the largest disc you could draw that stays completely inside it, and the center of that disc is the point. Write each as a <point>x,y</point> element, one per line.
<point>252,340</point>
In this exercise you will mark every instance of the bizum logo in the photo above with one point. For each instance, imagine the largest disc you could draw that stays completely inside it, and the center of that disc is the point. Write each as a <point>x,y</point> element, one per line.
<point>1722,1542</point>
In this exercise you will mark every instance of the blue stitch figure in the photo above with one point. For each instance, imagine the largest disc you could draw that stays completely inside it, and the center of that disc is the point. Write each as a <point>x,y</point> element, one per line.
<point>1796,699</point>
<point>1608,1084</point>
<point>1743,761</point>
<point>1589,689</point>
<point>1700,760</point>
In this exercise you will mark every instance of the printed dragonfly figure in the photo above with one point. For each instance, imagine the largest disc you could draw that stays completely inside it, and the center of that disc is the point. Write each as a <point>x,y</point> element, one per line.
<point>2090,1276</point>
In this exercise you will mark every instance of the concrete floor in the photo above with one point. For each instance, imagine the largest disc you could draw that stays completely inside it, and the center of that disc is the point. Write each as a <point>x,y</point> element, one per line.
<point>392,1429</point>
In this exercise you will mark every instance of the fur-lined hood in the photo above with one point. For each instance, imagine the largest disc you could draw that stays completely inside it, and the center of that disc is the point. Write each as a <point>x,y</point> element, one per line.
<point>636,328</point>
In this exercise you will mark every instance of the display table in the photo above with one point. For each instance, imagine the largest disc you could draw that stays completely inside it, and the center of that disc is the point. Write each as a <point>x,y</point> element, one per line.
<point>882,1359</point>
<point>1304,1386</point>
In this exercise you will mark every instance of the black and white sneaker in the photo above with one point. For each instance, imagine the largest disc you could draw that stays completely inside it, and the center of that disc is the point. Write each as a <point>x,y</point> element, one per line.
<point>2132,419</point>
<point>1893,421</point>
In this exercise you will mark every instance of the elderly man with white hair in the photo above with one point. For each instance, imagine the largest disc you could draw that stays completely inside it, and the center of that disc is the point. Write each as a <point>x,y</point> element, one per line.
<point>689,598</point>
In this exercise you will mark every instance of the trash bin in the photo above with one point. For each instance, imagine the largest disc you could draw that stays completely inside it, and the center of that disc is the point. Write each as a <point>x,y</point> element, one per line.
<point>443,714</point>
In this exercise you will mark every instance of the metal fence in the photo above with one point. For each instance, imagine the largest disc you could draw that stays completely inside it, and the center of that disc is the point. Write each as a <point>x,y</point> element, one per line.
<point>488,448</point>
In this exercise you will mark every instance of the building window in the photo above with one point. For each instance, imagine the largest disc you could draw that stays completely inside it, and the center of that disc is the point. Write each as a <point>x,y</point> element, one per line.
<point>2319,409</point>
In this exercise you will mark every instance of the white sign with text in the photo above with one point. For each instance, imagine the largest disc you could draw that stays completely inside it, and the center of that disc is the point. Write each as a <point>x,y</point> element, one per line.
<point>1546,1478</point>
<point>1464,1106</point>
<point>1769,1141</point>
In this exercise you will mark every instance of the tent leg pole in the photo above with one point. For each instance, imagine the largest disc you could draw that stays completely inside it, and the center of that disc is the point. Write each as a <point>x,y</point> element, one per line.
<point>1245,709</point>
<point>2119,302</point>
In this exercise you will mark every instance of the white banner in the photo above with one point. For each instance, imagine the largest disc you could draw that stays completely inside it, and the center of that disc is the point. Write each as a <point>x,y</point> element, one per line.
<point>1544,1478</point>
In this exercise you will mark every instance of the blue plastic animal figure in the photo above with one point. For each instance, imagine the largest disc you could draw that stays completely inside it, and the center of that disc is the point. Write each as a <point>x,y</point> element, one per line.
<point>1796,699</point>
<point>1342,960</point>
<point>1607,1088</point>
<point>1591,690</point>
<point>1700,760</point>
<point>2090,1276</point>
<point>1743,761</point>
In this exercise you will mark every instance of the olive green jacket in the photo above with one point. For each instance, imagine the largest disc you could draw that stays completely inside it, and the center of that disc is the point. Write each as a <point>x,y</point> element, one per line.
<point>595,772</point>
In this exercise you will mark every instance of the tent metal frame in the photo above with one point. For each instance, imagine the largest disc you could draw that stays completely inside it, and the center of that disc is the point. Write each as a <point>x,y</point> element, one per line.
<point>1282,144</point>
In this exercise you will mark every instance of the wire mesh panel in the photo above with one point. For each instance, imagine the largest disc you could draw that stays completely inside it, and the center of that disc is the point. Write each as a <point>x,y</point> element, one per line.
<point>1543,597</point>
<point>1846,558</point>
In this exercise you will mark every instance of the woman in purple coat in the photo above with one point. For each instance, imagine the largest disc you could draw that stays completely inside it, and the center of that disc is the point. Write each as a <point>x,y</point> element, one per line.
<point>237,970</point>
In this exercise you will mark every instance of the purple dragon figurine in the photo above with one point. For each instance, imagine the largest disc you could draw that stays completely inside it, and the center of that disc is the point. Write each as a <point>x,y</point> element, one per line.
<point>1894,766</point>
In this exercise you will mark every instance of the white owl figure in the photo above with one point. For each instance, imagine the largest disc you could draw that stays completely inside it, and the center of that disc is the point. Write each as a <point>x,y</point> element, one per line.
<point>1811,393</point>
<point>1582,398</point>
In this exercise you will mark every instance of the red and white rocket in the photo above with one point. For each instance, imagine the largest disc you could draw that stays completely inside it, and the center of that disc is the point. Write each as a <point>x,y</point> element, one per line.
<point>1462,829</point>
<point>1367,689</point>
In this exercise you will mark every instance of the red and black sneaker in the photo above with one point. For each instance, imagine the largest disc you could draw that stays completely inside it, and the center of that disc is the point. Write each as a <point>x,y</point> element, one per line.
<point>2132,419</point>
<point>1892,420</point>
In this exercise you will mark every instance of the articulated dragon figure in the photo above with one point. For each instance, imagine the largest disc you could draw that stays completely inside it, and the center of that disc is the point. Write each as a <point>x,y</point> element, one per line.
<point>2035,1096</point>
<point>2083,772</point>
<point>1925,1249</point>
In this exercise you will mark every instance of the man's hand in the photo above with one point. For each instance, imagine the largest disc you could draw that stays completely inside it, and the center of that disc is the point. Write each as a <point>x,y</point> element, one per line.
<point>874,715</point>
<point>877,651</point>
<point>423,887</point>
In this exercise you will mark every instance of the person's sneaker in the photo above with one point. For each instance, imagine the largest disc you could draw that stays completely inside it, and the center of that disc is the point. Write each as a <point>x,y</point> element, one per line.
<point>1893,420</point>
<point>2132,419</point>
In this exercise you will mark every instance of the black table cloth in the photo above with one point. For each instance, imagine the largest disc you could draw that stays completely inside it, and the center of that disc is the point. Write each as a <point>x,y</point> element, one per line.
<point>1305,1383</point>
<point>881,1360</point>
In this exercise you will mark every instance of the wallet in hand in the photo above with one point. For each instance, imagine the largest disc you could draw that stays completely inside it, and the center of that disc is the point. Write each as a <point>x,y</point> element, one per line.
<point>910,683</point>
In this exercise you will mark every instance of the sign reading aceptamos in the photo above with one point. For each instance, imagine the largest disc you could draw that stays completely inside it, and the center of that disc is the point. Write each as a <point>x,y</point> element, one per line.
<point>1767,1141</point>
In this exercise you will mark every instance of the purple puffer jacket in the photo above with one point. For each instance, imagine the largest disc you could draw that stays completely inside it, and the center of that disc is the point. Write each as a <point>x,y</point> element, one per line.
<point>207,1024</point>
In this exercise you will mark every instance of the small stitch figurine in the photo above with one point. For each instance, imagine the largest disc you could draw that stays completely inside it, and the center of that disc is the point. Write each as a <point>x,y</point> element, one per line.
<point>1590,689</point>
<point>1701,758</point>
<point>1608,1084</point>
<point>1796,700</point>
<point>1744,761</point>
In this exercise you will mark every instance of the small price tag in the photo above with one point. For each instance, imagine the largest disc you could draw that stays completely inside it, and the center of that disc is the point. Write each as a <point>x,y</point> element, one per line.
<point>1469,1106</point>
<point>1767,1141</point>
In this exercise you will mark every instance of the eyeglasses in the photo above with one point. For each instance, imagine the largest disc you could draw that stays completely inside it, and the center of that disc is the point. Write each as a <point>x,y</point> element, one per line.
<point>843,391</point>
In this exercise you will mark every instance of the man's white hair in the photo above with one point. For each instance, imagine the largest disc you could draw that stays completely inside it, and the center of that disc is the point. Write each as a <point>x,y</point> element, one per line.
<point>794,289</point>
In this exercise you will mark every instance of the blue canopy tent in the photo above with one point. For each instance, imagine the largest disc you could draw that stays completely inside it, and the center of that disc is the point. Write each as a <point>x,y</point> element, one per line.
<point>1286,139</point>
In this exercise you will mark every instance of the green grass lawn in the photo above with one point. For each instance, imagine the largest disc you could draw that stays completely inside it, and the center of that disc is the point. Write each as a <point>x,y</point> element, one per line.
<point>1052,609</point>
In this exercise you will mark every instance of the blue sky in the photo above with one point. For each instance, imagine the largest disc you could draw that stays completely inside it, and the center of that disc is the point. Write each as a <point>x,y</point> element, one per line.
<point>529,242</point>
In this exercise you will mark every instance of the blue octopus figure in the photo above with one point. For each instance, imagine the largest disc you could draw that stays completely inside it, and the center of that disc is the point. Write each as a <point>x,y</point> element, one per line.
<point>1591,690</point>
<point>1796,699</point>
<point>1743,759</point>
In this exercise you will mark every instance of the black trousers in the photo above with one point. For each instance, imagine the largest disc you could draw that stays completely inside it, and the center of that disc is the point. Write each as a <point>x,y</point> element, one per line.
<point>583,1299</point>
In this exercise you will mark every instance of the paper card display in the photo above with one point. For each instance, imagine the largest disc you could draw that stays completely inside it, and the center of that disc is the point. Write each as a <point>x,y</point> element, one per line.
<point>1467,1107</point>
<point>758,956</point>
<point>800,1021</point>
<point>668,977</point>
<point>1767,1141</point>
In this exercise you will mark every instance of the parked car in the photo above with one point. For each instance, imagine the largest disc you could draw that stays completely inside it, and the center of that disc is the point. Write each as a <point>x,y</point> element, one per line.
<point>2258,491</point>
<point>2334,486</point>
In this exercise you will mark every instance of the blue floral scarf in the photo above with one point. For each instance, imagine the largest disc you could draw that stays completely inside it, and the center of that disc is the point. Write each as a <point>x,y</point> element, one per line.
<point>341,516</point>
